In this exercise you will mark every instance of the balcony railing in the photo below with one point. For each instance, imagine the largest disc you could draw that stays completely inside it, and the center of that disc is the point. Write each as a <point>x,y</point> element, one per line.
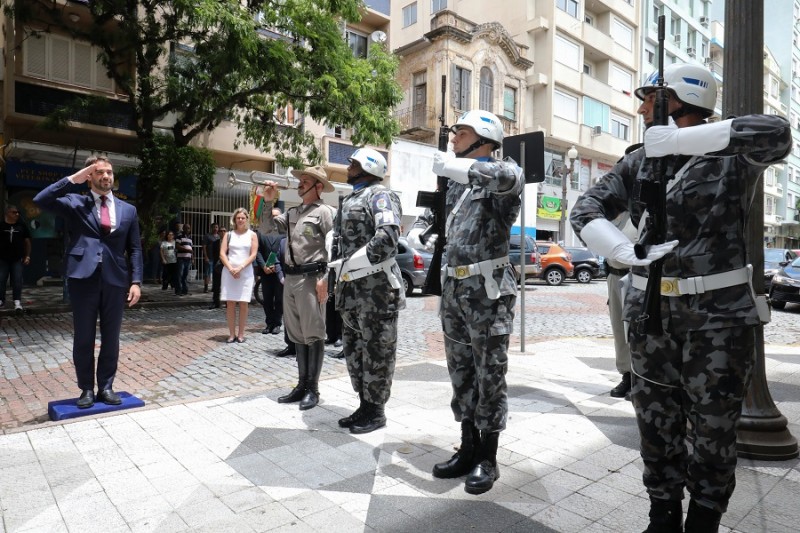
<point>41,101</point>
<point>417,122</point>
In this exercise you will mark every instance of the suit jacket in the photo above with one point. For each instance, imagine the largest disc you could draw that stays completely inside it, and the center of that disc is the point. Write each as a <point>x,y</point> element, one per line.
<point>120,250</point>
<point>267,243</point>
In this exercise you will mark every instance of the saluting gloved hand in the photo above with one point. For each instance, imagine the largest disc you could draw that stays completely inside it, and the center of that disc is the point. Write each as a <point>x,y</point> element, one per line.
<point>448,165</point>
<point>693,140</point>
<point>604,238</point>
<point>414,238</point>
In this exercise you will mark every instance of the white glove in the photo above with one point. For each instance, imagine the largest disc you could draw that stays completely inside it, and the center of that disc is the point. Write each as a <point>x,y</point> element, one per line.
<point>694,140</point>
<point>604,238</point>
<point>414,240</point>
<point>448,165</point>
<point>336,265</point>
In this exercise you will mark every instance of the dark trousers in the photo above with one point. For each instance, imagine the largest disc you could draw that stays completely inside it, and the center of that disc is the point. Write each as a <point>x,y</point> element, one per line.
<point>216,283</point>
<point>169,276</point>
<point>15,269</point>
<point>272,293</point>
<point>90,299</point>
<point>184,265</point>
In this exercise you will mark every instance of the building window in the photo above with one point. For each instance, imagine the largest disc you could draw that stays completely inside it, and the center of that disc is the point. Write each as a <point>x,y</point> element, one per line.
<point>620,127</point>
<point>655,15</point>
<point>57,58</point>
<point>588,19</point>
<point>620,79</point>
<point>587,69</point>
<point>596,113</point>
<point>410,15</point>
<point>651,57</point>
<point>565,106</point>
<point>358,43</point>
<point>462,80</point>
<point>567,53</point>
<point>568,6</point>
<point>438,5</point>
<point>510,103</point>
<point>622,34</point>
<point>486,90</point>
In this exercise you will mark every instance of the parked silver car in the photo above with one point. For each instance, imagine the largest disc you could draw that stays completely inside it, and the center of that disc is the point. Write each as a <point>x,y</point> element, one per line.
<point>413,265</point>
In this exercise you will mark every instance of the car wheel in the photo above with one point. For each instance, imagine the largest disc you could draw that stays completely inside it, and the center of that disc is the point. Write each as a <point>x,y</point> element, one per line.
<point>408,287</point>
<point>553,277</point>
<point>778,305</point>
<point>584,275</point>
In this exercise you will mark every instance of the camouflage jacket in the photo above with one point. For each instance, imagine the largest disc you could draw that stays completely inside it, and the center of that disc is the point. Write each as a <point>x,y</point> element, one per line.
<point>479,228</point>
<point>706,213</point>
<point>369,217</point>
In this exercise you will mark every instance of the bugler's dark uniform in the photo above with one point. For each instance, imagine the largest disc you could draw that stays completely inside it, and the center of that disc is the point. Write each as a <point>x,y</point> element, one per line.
<point>477,311</point>
<point>698,370</point>
<point>369,305</point>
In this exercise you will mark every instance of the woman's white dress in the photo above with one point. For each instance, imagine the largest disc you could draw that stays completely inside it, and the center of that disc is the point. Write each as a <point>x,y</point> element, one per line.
<point>238,290</point>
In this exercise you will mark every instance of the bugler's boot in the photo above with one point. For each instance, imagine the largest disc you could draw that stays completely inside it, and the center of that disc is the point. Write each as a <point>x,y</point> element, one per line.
<point>486,472</point>
<point>316,355</point>
<point>700,519</point>
<point>465,458</point>
<point>666,516</point>
<point>299,390</point>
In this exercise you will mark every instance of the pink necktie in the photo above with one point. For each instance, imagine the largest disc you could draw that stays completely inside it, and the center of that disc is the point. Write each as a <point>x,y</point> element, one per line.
<point>105,216</point>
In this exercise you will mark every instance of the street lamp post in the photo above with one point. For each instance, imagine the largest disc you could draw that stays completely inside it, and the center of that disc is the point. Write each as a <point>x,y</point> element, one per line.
<point>572,155</point>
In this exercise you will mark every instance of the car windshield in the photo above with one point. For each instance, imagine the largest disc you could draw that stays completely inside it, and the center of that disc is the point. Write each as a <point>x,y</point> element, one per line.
<point>796,263</point>
<point>774,255</point>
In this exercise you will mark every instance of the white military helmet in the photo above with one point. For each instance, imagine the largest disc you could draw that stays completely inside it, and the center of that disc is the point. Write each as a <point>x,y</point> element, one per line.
<point>486,125</point>
<point>691,84</point>
<point>371,161</point>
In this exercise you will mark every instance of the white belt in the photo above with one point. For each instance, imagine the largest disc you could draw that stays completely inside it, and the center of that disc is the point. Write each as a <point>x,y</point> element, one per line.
<point>484,268</point>
<point>697,284</point>
<point>384,266</point>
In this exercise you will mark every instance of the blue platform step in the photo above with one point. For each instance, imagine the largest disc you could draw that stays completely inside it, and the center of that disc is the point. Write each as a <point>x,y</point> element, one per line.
<point>65,409</point>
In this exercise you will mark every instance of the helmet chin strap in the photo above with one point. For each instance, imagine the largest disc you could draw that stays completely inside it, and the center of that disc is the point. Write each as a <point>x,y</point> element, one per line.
<point>474,146</point>
<point>311,188</point>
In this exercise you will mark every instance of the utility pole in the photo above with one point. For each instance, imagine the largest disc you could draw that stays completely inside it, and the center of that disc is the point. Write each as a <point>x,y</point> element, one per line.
<point>762,430</point>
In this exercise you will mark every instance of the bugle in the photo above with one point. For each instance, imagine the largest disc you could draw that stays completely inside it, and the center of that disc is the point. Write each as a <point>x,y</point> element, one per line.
<point>233,180</point>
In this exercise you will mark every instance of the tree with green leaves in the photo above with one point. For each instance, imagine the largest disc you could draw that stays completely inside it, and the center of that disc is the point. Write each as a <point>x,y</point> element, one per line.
<point>202,62</point>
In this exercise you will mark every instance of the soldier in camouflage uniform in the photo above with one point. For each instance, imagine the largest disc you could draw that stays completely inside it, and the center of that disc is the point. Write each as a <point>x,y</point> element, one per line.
<point>697,371</point>
<point>478,293</point>
<point>305,267</point>
<point>369,291</point>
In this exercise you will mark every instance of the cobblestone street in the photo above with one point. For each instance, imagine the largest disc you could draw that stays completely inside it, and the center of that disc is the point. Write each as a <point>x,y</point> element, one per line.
<point>178,354</point>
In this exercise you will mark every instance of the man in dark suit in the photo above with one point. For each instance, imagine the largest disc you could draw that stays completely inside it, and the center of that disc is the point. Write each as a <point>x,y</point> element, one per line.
<point>269,268</point>
<point>103,262</point>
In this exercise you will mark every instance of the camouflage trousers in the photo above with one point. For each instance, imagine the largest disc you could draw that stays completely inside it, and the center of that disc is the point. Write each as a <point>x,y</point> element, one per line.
<point>369,341</point>
<point>699,378</point>
<point>476,332</point>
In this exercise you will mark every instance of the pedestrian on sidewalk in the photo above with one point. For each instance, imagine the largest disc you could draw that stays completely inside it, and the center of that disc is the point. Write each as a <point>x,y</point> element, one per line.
<point>103,266</point>
<point>305,267</point>
<point>15,254</point>
<point>169,262</point>
<point>237,253</point>
<point>216,274</point>
<point>209,260</point>
<point>478,293</point>
<point>369,288</point>
<point>692,367</point>
<point>183,238</point>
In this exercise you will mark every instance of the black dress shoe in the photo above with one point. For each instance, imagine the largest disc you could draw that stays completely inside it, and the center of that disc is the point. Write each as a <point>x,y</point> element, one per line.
<point>266,331</point>
<point>624,387</point>
<point>338,355</point>
<point>213,306</point>
<point>86,400</point>
<point>275,330</point>
<point>109,397</point>
<point>286,352</point>
<point>338,343</point>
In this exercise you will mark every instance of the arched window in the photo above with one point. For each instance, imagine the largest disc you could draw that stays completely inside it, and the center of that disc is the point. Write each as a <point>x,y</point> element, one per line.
<point>486,96</point>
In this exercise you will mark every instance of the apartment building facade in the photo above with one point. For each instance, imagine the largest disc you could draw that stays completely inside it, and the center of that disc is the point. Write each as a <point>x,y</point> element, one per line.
<point>565,68</point>
<point>41,75</point>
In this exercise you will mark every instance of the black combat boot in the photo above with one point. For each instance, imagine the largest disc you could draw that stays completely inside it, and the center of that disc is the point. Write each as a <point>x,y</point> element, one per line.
<point>465,458</point>
<point>316,354</point>
<point>302,372</point>
<point>372,418</point>
<point>701,519</point>
<point>623,388</point>
<point>666,516</point>
<point>486,472</point>
<point>348,421</point>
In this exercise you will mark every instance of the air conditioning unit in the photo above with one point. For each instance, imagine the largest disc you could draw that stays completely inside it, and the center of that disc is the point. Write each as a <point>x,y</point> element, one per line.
<point>704,21</point>
<point>597,130</point>
<point>677,38</point>
<point>706,61</point>
<point>691,51</point>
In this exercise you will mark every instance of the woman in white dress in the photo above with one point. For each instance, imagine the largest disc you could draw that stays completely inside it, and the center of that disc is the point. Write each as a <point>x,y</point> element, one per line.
<point>237,252</point>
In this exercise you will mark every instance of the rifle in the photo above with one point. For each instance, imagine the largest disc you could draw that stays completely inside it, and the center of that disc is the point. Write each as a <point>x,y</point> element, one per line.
<point>654,192</point>
<point>437,203</point>
<point>336,248</point>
